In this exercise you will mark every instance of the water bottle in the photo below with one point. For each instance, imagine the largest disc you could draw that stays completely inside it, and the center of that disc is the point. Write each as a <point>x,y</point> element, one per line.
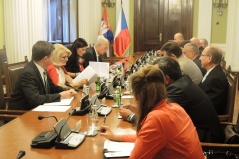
<point>94,118</point>
<point>98,84</point>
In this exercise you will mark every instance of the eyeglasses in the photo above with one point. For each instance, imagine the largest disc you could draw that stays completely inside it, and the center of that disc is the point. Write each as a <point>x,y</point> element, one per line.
<point>204,55</point>
<point>65,57</point>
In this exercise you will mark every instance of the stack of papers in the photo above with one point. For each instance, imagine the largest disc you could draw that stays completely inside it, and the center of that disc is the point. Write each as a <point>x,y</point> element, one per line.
<point>61,106</point>
<point>117,149</point>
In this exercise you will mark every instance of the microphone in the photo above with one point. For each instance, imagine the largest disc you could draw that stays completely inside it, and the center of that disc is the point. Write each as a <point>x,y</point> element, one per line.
<point>103,92</point>
<point>59,135</point>
<point>40,117</point>
<point>21,154</point>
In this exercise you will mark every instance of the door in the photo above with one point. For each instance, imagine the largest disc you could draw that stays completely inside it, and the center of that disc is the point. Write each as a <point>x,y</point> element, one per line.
<point>156,22</point>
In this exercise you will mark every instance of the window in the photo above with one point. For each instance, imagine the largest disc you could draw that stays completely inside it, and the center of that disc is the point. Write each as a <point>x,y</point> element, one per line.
<point>63,21</point>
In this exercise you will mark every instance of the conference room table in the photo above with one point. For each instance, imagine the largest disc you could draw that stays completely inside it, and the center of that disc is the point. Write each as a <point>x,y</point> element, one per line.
<point>18,134</point>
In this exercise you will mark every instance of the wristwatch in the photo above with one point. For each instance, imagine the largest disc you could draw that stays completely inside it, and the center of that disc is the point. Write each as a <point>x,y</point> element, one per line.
<point>129,118</point>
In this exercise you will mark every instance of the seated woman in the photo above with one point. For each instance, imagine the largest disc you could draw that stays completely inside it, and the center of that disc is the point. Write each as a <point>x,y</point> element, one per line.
<point>164,130</point>
<point>75,62</point>
<point>57,71</point>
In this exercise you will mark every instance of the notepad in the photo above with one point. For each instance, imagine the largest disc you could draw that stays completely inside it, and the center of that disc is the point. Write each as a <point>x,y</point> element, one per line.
<point>117,149</point>
<point>44,108</point>
<point>62,102</point>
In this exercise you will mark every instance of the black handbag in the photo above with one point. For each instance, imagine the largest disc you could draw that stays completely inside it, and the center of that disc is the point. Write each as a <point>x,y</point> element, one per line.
<point>231,134</point>
<point>220,155</point>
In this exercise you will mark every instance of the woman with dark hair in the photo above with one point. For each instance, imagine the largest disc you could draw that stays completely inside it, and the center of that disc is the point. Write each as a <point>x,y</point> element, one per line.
<point>164,130</point>
<point>75,62</point>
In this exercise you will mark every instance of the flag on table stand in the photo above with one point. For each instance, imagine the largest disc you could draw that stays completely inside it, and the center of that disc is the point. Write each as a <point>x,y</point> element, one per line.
<point>122,36</point>
<point>105,28</point>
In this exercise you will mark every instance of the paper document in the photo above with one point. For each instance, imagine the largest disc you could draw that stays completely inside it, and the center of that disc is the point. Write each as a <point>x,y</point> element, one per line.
<point>111,146</point>
<point>88,73</point>
<point>100,68</point>
<point>44,108</point>
<point>62,102</point>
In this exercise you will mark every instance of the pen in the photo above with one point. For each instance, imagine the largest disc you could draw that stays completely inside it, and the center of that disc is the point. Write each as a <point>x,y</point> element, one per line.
<point>104,120</point>
<point>103,130</point>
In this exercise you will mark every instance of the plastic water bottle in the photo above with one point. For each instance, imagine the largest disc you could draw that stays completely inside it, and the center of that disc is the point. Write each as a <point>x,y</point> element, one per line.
<point>98,84</point>
<point>94,118</point>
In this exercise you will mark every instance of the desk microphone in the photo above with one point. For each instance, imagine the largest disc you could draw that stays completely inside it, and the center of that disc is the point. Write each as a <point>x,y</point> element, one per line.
<point>40,117</point>
<point>59,135</point>
<point>21,154</point>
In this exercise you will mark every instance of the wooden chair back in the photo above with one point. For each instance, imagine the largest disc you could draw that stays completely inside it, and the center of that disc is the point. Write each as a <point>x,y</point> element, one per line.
<point>5,114</point>
<point>2,99</point>
<point>12,72</point>
<point>231,99</point>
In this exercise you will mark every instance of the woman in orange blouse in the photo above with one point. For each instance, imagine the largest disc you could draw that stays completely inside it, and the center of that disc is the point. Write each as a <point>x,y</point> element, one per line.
<point>164,130</point>
<point>57,71</point>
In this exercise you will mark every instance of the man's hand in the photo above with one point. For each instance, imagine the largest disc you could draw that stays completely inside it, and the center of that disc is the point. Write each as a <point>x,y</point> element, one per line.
<point>68,94</point>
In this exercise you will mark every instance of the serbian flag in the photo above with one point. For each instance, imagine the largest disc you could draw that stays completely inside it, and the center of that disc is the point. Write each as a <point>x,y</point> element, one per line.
<point>122,36</point>
<point>105,28</point>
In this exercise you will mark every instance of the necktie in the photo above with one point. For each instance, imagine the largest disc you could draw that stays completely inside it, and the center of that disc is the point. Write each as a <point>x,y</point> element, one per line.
<point>45,81</point>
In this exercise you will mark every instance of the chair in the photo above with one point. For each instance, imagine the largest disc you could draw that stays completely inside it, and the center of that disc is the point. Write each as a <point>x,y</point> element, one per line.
<point>6,115</point>
<point>223,64</point>
<point>232,91</point>
<point>12,72</point>
<point>3,59</point>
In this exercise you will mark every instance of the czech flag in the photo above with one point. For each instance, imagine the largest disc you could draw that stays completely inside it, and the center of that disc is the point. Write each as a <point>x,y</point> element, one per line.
<point>122,36</point>
<point>105,28</point>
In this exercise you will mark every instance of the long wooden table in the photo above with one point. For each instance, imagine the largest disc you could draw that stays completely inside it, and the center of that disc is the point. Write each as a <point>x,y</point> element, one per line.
<point>18,134</point>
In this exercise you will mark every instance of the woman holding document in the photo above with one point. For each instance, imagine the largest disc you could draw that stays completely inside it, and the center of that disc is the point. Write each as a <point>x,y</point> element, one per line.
<point>57,71</point>
<point>164,130</point>
<point>74,65</point>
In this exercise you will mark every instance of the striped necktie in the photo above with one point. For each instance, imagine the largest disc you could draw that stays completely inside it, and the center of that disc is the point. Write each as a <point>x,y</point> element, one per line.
<point>45,81</point>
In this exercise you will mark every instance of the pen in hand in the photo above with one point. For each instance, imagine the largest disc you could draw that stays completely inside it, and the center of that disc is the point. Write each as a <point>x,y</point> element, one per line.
<point>103,130</point>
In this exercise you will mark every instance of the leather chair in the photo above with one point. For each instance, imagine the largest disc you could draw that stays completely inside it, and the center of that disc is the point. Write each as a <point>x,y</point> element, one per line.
<point>12,72</point>
<point>232,93</point>
<point>5,114</point>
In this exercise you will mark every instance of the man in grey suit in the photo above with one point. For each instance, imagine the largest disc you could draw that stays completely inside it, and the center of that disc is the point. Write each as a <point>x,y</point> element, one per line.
<point>214,83</point>
<point>34,87</point>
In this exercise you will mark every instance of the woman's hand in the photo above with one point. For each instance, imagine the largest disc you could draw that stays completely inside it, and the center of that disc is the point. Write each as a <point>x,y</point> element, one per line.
<point>106,132</point>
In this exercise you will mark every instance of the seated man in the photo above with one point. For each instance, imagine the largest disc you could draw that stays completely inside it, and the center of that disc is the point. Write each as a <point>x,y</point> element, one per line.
<point>214,83</point>
<point>181,90</point>
<point>94,53</point>
<point>192,52</point>
<point>188,67</point>
<point>34,87</point>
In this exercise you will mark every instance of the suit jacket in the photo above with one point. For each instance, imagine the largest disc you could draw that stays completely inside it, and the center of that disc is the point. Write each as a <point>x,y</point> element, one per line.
<point>30,92</point>
<point>216,87</point>
<point>198,63</point>
<point>198,106</point>
<point>72,64</point>
<point>90,55</point>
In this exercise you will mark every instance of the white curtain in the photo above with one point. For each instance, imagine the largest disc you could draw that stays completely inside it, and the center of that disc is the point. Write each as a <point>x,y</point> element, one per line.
<point>25,23</point>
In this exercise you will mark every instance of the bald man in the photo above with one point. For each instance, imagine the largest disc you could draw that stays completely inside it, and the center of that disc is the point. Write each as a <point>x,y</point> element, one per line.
<point>214,83</point>
<point>178,38</point>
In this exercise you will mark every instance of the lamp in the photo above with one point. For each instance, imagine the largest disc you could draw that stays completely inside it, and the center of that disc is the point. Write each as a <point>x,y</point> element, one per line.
<point>108,3</point>
<point>220,4</point>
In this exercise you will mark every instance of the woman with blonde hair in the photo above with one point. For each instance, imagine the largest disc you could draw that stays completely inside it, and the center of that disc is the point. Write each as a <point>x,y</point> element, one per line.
<point>57,71</point>
<point>164,129</point>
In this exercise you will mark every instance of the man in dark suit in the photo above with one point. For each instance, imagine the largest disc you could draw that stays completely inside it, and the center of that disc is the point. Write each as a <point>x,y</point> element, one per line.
<point>34,87</point>
<point>182,90</point>
<point>214,83</point>
<point>95,53</point>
